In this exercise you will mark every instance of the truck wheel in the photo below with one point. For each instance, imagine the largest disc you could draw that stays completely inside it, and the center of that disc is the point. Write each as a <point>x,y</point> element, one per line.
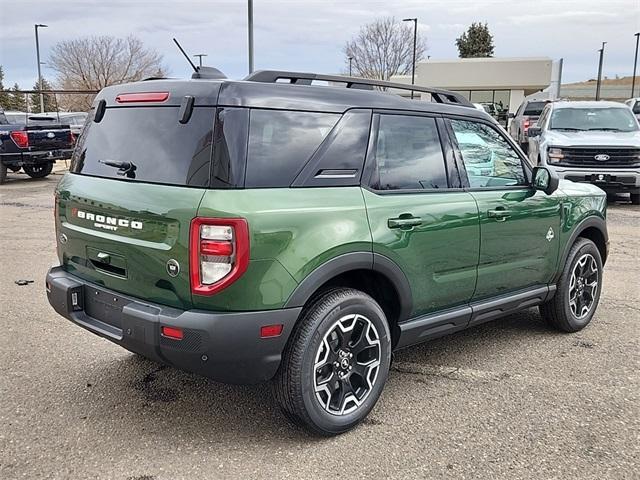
<point>38,171</point>
<point>335,364</point>
<point>635,198</point>
<point>578,292</point>
<point>3,172</point>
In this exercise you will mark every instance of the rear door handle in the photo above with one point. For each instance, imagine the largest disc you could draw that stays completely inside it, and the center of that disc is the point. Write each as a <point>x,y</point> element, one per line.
<point>404,222</point>
<point>500,214</point>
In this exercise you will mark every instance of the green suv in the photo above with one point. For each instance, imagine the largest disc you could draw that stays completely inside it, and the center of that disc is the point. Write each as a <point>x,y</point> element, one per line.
<point>274,229</point>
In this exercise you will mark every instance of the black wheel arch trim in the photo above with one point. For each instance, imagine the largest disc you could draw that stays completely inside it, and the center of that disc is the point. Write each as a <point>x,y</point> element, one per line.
<point>355,261</point>
<point>596,222</point>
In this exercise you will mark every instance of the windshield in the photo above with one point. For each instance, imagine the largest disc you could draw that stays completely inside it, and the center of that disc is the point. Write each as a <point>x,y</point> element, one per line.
<point>607,119</point>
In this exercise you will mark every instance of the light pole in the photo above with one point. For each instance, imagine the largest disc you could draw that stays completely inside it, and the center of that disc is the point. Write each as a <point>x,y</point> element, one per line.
<point>39,71</point>
<point>415,39</point>
<point>200,55</point>
<point>250,28</point>
<point>635,64</point>
<point>600,71</point>
<point>350,71</point>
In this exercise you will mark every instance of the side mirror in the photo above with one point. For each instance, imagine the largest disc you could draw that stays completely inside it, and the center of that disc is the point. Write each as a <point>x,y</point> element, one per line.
<point>511,115</point>
<point>534,131</point>
<point>545,179</point>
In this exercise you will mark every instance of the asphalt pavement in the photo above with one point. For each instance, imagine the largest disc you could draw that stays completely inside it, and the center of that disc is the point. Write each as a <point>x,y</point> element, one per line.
<point>509,399</point>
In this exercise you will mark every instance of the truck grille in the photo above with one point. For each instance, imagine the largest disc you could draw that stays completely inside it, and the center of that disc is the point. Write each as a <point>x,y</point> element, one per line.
<point>585,157</point>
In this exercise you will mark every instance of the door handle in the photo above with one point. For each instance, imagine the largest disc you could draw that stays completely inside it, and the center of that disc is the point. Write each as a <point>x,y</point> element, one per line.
<point>404,222</point>
<point>500,214</point>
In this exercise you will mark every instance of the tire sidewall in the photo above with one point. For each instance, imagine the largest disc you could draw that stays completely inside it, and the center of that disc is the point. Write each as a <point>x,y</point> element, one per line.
<point>365,305</point>
<point>586,246</point>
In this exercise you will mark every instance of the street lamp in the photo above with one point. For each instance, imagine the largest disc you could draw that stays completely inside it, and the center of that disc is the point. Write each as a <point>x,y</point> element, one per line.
<point>200,55</point>
<point>350,71</point>
<point>635,64</point>
<point>600,71</point>
<point>39,25</point>
<point>415,38</point>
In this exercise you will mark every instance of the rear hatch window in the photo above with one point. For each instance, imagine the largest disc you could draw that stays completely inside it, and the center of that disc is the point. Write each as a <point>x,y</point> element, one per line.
<point>147,144</point>
<point>534,108</point>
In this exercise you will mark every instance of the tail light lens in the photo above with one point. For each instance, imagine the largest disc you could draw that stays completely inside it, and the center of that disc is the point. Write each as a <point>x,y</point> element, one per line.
<point>20,138</point>
<point>72,138</point>
<point>219,253</point>
<point>525,125</point>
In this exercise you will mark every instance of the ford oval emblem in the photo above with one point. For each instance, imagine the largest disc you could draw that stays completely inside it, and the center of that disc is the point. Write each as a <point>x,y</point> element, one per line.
<point>602,157</point>
<point>51,135</point>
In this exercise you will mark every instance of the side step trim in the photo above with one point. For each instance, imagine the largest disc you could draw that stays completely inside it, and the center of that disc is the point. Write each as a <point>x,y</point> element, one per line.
<point>435,325</point>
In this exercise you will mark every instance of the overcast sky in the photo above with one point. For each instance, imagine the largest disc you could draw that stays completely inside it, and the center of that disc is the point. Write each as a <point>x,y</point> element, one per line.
<point>308,35</point>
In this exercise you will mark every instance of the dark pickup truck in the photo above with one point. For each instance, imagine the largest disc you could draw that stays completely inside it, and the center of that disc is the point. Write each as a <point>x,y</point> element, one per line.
<point>33,144</point>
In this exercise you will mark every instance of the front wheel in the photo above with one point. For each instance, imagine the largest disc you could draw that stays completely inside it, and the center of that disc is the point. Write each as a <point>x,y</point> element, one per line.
<point>336,362</point>
<point>578,291</point>
<point>38,171</point>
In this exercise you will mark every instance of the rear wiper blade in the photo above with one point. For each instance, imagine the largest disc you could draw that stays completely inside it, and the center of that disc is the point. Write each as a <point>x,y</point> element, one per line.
<point>124,168</point>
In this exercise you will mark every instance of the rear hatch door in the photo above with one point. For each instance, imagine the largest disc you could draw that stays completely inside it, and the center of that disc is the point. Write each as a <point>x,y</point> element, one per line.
<point>137,179</point>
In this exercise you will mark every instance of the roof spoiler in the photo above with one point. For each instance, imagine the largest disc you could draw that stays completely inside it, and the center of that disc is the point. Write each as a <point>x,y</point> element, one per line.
<point>299,78</point>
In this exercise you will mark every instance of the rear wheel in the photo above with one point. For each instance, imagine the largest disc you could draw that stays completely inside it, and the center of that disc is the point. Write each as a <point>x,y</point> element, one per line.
<point>335,364</point>
<point>38,171</point>
<point>578,293</point>
<point>635,198</point>
<point>3,172</point>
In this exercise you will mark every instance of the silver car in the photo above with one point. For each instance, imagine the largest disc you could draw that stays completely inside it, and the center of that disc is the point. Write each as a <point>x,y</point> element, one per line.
<point>592,142</point>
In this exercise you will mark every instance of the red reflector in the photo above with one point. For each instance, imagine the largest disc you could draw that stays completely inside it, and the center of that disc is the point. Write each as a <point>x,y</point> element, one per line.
<point>142,97</point>
<point>268,331</point>
<point>211,247</point>
<point>20,138</point>
<point>172,332</point>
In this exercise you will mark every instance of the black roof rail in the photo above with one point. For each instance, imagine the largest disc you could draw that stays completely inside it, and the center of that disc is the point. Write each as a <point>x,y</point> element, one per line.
<point>300,78</point>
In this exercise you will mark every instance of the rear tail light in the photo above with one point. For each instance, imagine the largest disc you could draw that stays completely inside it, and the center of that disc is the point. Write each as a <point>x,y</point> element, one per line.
<point>20,138</point>
<point>219,253</point>
<point>72,138</point>
<point>157,97</point>
<point>525,125</point>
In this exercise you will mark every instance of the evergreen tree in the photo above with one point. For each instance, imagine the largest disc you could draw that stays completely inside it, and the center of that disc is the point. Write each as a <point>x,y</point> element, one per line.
<point>477,41</point>
<point>49,99</point>
<point>5,96</point>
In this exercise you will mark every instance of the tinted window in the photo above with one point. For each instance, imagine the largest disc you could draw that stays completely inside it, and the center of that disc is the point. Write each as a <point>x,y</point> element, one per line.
<point>636,107</point>
<point>151,139</point>
<point>408,154</point>
<point>534,108</point>
<point>489,159</point>
<point>281,143</point>
<point>229,147</point>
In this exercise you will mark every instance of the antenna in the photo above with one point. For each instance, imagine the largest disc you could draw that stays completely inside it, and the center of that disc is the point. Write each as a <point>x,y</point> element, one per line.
<point>195,69</point>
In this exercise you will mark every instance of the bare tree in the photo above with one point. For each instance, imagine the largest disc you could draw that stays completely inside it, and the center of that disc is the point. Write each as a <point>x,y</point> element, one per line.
<point>92,63</point>
<point>384,48</point>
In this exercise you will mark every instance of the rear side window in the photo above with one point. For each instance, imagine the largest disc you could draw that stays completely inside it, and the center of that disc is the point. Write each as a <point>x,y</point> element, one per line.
<point>147,144</point>
<point>408,154</point>
<point>281,143</point>
<point>636,107</point>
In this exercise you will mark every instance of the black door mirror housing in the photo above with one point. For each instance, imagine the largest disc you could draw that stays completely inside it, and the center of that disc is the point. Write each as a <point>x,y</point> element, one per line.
<point>534,132</point>
<point>545,179</point>
<point>511,115</point>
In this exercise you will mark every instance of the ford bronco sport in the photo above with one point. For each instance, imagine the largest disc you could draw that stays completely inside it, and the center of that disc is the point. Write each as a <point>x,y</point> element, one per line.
<point>273,229</point>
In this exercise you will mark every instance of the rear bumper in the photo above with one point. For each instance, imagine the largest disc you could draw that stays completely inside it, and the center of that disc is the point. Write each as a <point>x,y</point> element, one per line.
<point>35,158</point>
<point>614,180</point>
<point>223,346</point>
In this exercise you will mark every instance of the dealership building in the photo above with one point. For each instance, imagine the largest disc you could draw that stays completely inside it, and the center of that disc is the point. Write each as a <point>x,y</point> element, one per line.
<point>503,81</point>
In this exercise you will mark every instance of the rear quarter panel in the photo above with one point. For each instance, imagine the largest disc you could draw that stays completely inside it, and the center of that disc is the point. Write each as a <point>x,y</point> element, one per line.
<point>292,232</point>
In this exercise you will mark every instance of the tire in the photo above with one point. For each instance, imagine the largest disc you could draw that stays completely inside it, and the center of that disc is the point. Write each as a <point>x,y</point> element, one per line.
<point>38,171</point>
<point>635,198</point>
<point>3,172</point>
<point>317,373</point>
<point>575,292</point>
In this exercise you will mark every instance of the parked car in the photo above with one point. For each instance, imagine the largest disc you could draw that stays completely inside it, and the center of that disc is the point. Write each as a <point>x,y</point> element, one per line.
<point>526,115</point>
<point>275,230</point>
<point>592,142</point>
<point>33,144</point>
<point>634,105</point>
<point>75,120</point>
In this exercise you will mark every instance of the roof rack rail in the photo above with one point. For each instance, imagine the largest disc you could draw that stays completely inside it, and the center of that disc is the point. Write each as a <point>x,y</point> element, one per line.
<point>299,78</point>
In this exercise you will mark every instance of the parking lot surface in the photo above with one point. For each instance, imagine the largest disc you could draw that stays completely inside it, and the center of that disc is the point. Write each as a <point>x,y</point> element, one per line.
<point>509,399</point>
